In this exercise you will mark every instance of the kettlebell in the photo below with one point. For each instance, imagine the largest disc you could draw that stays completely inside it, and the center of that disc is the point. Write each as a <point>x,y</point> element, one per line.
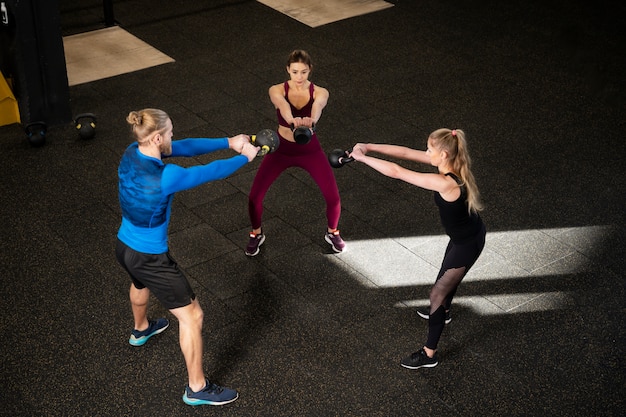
<point>302,134</point>
<point>36,133</point>
<point>338,158</point>
<point>267,140</point>
<point>86,125</point>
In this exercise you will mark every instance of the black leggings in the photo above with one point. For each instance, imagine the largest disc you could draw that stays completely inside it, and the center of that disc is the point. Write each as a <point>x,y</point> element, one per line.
<point>458,260</point>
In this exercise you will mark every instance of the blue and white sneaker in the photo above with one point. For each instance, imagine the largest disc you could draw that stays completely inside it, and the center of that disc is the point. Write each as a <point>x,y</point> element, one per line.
<point>211,394</point>
<point>139,338</point>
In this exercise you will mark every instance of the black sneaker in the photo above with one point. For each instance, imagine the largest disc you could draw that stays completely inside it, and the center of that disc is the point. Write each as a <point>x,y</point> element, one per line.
<point>419,359</point>
<point>254,244</point>
<point>211,394</point>
<point>423,313</point>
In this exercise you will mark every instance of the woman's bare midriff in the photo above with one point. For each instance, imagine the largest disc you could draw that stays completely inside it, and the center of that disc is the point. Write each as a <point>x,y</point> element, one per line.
<point>286,133</point>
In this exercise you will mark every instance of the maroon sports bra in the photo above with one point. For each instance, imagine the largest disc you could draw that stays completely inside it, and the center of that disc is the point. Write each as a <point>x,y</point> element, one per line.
<point>303,112</point>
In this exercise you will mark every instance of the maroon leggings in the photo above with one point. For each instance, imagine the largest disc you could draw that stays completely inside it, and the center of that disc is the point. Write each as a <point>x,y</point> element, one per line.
<point>311,158</point>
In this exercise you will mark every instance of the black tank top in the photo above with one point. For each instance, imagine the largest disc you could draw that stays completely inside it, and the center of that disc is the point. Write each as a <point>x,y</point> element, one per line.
<point>459,224</point>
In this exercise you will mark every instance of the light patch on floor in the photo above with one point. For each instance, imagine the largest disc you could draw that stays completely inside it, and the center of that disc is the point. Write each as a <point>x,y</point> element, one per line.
<point>106,53</point>
<point>412,262</point>
<point>415,260</point>
<point>522,302</point>
<point>316,13</point>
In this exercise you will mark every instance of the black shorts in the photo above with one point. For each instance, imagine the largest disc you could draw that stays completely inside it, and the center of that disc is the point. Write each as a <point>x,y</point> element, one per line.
<point>159,273</point>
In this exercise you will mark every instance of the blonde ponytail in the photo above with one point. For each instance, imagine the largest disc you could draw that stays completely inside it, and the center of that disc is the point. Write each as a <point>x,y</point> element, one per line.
<point>454,143</point>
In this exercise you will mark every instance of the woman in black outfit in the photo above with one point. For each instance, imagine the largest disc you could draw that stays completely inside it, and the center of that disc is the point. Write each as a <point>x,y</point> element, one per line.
<point>458,200</point>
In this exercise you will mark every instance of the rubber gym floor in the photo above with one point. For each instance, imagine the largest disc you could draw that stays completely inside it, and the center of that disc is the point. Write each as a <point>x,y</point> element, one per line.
<point>538,325</point>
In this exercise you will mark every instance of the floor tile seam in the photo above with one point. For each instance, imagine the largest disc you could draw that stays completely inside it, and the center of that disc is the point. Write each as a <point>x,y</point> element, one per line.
<point>201,223</point>
<point>301,228</point>
<point>590,263</point>
<point>524,303</point>
<point>84,204</point>
<point>523,266</point>
<point>203,214</point>
<point>199,265</point>
<point>553,262</point>
<point>428,260</point>
<point>493,304</point>
<point>594,262</point>
<point>297,289</point>
<point>266,264</point>
<point>353,270</point>
<point>607,230</point>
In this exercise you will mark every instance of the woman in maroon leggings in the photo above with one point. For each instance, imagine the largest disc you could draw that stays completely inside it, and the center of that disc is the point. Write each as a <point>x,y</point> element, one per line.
<point>299,104</point>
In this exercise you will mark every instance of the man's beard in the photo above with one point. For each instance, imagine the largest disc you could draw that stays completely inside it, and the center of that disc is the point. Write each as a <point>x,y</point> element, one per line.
<point>165,149</point>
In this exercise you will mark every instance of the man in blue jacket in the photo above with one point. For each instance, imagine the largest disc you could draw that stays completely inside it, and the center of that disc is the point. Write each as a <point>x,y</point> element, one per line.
<point>146,189</point>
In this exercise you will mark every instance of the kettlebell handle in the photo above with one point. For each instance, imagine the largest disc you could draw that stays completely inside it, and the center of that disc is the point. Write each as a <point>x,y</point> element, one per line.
<point>291,125</point>
<point>85,115</point>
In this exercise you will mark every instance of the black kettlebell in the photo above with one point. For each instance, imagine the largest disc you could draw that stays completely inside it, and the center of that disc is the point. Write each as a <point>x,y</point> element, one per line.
<point>338,158</point>
<point>302,134</point>
<point>36,133</point>
<point>86,125</point>
<point>267,140</point>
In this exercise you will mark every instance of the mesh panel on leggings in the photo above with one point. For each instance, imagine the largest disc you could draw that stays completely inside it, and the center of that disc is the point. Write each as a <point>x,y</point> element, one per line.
<point>444,287</point>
